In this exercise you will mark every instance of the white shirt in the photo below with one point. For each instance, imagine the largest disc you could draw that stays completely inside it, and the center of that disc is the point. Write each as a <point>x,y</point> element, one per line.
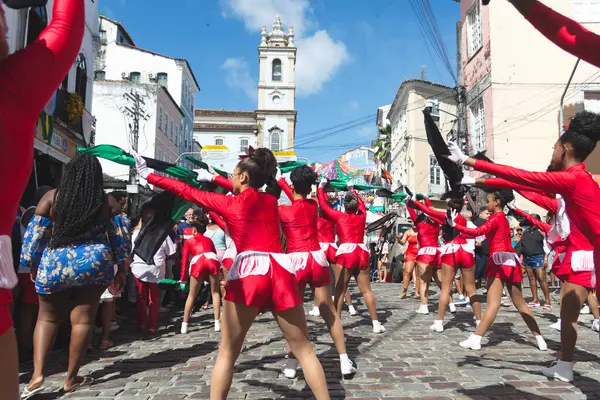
<point>386,248</point>
<point>152,273</point>
<point>471,242</point>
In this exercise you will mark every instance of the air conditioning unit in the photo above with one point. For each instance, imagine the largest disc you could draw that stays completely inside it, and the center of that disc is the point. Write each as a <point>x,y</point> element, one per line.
<point>151,77</point>
<point>124,76</point>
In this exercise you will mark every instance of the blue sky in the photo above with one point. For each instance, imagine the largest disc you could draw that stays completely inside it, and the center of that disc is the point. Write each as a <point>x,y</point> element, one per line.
<point>356,54</point>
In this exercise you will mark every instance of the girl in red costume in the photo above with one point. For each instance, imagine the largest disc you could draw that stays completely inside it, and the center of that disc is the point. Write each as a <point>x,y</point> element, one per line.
<point>454,254</point>
<point>261,277</point>
<point>300,229</point>
<point>562,31</point>
<point>199,257</point>
<point>44,63</point>
<point>410,259</point>
<point>428,232</point>
<point>572,265</point>
<point>503,268</point>
<point>352,254</point>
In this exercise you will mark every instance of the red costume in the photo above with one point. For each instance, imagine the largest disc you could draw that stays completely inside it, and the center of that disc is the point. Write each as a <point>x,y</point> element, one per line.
<point>200,258</point>
<point>428,231</point>
<point>352,252</point>
<point>326,237</point>
<point>27,80</point>
<point>565,33</point>
<point>456,253</point>
<point>261,276</point>
<point>300,228</point>
<point>503,262</point>
<point>412,249</point>
<point>581,201</point>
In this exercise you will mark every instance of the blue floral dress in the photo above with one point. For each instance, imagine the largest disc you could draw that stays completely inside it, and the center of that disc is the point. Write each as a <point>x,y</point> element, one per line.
<point>35,242</point>
<point>82,264</point>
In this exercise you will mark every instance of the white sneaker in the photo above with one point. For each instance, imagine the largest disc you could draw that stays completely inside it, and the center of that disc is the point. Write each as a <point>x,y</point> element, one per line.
<point>315,312</point>
<point>477,322</point>
<point>561,370</point>
<point>556,325</point>
<point>437,326</point>
<point>347,367</point>
<point>113,326</point>
<point>184,328</point>
<point>473,343</point>
<point>289,367</point>
<point>541,343</point>
<point>596,325</point>
<point>378,328</point>
<point>452,308</point>
<point>217,325</point>
<point>423,309</point>
<point>585,310</point>
<point>352,310</point>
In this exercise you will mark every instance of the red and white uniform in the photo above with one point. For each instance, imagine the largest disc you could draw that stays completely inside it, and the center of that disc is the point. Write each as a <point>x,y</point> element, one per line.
<point>503,262</point>
<point>428,232</point>
<point>326,237</point>
<point>200,258</point>
<point>581,202</point>
<point>565,33</point>
<point>412,249</point>
<point>457,253</point>
<point>27,80</point>
<point>300,228</point>
<point>352,252</point>
<point>261,275</point>
<point>574,261</point>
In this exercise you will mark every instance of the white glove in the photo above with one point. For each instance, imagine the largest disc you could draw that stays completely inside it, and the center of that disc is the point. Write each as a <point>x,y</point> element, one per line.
<point>140,165</point>
<point>451,218</point>
<point>204,175</point>
<point>468,181</point>
<point>456,154</point>
<point>350,186</point>
<point>511,205</point>
<point>323,182</point>
<point>278,174</point>
<point>211,169</point>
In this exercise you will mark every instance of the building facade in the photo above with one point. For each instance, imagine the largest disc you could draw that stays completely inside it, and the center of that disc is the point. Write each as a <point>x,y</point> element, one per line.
<point>514,79</point>
<point>359,158</point>
<point>273,123</point>
<point>60,129</point>
<point>119,59</point>
<point>412,161</point>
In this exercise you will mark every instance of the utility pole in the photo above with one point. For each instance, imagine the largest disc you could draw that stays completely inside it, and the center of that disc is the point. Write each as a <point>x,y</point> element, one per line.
<point>135,111</point>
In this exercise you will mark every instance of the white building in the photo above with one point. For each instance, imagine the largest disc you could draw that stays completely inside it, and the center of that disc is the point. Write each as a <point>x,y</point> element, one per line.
<point>412,161</point>
<point>57,137</point>
<point>119,59</point>
<point>224,134</point>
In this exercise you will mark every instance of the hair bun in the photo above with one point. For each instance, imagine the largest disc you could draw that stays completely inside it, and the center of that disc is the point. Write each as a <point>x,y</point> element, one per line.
<point>586,123</point>
<point>265,160</point>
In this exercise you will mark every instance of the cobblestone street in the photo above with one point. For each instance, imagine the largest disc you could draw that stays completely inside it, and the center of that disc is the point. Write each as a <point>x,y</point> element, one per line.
<point>408,361</point>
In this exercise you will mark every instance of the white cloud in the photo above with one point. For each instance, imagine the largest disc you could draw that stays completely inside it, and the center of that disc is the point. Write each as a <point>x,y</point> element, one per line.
<point>319,56</point>
<point>237,76</point>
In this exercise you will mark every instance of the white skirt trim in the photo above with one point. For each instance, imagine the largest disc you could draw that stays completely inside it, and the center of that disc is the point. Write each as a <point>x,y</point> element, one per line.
<point>209,255</point>
<point>325,246</point>
<point>430,251</point>
<point>582,260</point>
<point>346,248</point>
<point>249,263</point>
<point>506,258</point>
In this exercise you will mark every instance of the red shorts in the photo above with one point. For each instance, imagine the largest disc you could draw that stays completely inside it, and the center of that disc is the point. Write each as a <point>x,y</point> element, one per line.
<point>330,250</point>
<point>5,318</point>
<point>564,265</point>
<point>455,255</point>
<point>353,256</point>
<point>311,268</point>
<point>263,280</point>
<point>410,256</point>
<point>205,265</point>
<point>428,256</point>
<point>28,293</point>
<point>506,266</point>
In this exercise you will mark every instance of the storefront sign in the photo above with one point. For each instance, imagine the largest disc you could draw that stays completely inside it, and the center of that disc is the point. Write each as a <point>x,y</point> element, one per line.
<point>214,153</point>
<point>47,133</point>
<point>283,156</point>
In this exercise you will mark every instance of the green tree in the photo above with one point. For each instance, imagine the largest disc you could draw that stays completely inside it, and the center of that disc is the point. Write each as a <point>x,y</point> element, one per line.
<point>383,145</point>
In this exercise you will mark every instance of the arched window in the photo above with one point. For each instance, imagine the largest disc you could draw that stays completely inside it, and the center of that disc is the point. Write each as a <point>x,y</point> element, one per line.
<point>134,77</point>
<point>275,140</point>
<point>162,78</point>
<point>276,69</point>
<point>38,20</point>
<point>81,77</point>
<point>100,75</point>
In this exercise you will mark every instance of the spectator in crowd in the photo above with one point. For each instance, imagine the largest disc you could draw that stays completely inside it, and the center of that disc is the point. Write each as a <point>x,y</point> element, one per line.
<point>532,250</point>
<point>482,248</point>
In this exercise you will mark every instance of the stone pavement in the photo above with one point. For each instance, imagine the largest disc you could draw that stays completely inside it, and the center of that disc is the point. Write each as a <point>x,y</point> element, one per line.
<point>408,361</point>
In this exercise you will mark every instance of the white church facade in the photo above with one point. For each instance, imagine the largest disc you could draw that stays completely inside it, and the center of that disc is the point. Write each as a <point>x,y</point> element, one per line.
<point>225,134</point>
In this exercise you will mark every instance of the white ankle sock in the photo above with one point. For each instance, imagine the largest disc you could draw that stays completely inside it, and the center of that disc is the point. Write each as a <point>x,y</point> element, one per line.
<point>344,357</point>
<point>476,338</point>
<point>375,323</point>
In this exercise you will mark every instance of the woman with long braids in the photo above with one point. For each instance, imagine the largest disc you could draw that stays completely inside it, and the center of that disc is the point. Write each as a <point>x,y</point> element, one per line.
<point>352,254</point>
<point>27,80</point>
<point>261,277</point>
<point>428,232</point>
<point>299,222</point>
<point>409,238</point>
<point>503,268</point>
<point>453,255</point>
<point>76,267</point>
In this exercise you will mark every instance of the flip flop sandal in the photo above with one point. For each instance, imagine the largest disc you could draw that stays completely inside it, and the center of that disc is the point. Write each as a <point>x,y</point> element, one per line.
<point>106,344</point>
<point>547,307</point>
<point>532,304</point>
<point>87,381</point>
<point>27,394</point>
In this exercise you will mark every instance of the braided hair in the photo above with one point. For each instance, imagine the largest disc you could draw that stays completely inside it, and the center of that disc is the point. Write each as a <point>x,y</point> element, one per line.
<point>78,200</point>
